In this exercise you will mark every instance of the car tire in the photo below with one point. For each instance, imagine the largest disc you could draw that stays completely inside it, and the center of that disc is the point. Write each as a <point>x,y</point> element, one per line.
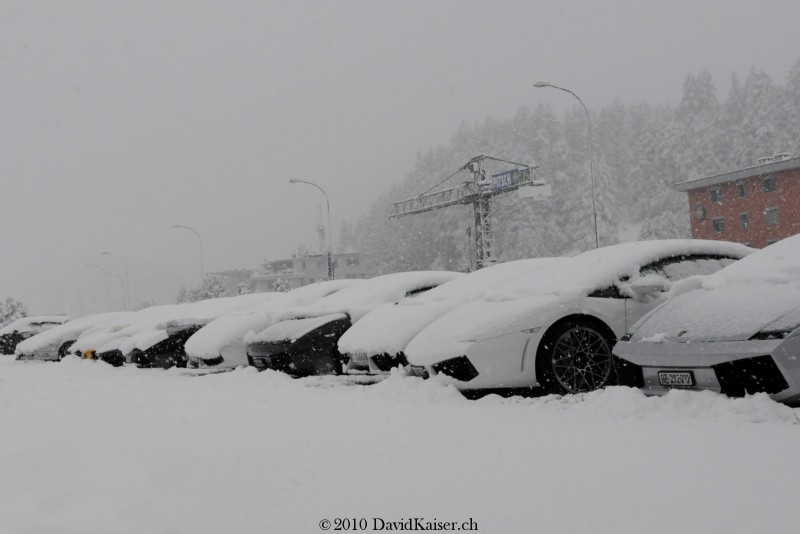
<point>575,357</point>
<point>63,350</point>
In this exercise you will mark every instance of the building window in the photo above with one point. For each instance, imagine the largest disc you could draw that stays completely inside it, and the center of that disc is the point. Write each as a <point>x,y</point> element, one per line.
<point>770,184</point>
<point>771,216</point>
<point>716,195</point>
<point>741,189</point>
<point>719,224</point>
<point>700,212</point>
<point>744,221</point>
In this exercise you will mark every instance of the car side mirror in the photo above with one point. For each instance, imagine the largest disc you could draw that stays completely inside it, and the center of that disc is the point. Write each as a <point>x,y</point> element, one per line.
<point>646,288</point>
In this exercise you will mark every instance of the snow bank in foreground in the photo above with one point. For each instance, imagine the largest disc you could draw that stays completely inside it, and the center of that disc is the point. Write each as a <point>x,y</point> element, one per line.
<point>631,403</point>
<point>92,449</point>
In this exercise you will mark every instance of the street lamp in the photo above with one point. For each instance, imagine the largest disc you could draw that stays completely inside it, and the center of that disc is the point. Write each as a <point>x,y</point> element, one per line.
<point>105,275</point>
<point>330,232</point>
<point>127,277</point>
<point>200,239</point>
<point>540,85</point>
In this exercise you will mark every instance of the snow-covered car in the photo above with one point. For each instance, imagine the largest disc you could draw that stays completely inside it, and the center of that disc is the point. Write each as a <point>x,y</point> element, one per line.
<point>303,340</point>
<point>53,344</point>
<point>220,343</point>
<point>555,329</point>
<point>377,342</point>
<point>21,329</point>
<point>736,331</point>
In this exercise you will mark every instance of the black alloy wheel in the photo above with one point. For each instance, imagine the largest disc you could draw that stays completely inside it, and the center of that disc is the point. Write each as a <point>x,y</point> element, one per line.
<point>578,359</point>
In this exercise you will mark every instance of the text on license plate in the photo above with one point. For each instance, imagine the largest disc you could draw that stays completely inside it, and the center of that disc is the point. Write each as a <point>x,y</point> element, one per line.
<point>676,378</point>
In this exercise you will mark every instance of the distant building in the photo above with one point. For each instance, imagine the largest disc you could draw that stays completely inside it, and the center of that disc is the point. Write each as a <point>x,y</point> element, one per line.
<point>290,273</point>
<point>234,282</point>
<point>756,206</point>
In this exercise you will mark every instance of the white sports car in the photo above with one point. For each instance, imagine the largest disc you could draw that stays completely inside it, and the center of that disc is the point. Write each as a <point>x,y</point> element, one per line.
<point>736,331</point>
<point>556,328</point>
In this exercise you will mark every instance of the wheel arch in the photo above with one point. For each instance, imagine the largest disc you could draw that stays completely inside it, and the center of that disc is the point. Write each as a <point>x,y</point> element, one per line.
<point>555,327</point>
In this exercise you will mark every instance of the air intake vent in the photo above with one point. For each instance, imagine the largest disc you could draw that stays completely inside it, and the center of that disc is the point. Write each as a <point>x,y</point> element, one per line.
<point>750,375</point>
<point>459,368</point>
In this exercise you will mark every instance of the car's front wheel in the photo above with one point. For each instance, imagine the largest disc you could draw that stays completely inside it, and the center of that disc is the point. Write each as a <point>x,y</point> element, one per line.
<point>575,358</point>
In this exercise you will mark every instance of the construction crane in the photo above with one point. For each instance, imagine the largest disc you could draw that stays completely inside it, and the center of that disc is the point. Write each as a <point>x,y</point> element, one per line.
<point>478,192</point>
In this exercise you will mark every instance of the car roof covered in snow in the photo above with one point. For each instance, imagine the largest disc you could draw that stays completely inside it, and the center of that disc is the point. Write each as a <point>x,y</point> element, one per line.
<point>390,327</point>
<point>760,293</point>
<point>359,299</point>
<point>32,322</point>
<point>159,318</point>
<point>603,266</point>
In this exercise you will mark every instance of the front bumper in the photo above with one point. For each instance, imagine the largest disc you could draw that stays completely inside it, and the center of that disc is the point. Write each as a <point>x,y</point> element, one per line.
<point>734,368</point>
<point>503,362</point>
<point>46,356</point>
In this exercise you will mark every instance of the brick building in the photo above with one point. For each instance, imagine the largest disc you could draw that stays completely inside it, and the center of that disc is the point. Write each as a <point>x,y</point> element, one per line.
<point>756,206</point>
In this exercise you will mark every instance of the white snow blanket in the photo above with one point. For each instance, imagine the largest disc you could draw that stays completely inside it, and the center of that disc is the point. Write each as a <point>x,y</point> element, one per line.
<point>91,449</point>
<point>33,323</point>
<point>390,327</point>
<point>153,328</point>
<point>362,298</point>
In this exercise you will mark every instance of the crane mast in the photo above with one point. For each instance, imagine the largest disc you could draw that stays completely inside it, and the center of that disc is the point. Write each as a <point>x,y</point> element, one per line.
<point>478,192</point>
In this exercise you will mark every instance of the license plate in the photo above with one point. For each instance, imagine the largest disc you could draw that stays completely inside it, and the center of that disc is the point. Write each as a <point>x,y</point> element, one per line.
<point>676,378</point>
<point>359,357</point>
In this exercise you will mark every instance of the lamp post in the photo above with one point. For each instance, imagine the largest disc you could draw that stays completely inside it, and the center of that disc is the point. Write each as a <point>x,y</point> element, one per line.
<point>200,240</point>
<point>105,275</point>
<point>127,278</point>
<point>330,232</point>
<point>540,85</point>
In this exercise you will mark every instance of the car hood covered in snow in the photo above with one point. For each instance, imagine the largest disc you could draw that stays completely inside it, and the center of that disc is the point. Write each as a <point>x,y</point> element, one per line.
<point>760,293</point>
<point>389,328</point>
<point>293,329</point>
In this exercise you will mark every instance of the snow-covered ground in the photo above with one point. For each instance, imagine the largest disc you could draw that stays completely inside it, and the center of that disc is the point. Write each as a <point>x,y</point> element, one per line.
<point>87,448</point>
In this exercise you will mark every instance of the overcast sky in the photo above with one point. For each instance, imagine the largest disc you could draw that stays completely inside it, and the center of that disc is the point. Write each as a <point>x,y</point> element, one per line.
<point>119,119</point>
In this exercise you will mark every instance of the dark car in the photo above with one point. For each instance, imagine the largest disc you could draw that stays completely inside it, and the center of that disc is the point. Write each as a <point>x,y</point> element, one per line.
<point>301,346</point>
<point>164,354</point>
<point>21,329</point>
